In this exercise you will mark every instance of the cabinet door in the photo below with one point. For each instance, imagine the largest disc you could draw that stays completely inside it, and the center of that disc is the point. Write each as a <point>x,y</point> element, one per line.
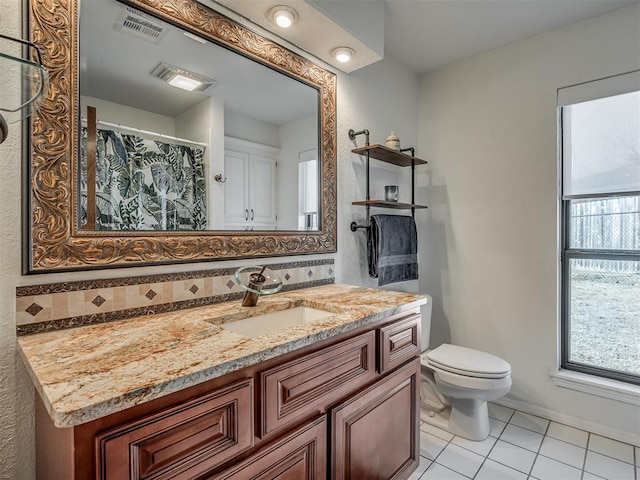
<point>375,434</point>
<point>262,189</point>
<point>183,441</point>
<point>298,456</point>
<point>236,201</point>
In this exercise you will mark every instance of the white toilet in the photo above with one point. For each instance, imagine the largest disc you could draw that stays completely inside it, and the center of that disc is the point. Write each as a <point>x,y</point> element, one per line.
<point>457,383</point>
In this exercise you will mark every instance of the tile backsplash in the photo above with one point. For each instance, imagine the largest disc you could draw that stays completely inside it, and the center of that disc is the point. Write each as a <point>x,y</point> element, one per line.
<point>55,306</point>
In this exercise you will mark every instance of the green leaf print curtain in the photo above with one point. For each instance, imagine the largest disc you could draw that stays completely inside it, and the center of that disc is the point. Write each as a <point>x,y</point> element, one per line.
<point>145,184</point>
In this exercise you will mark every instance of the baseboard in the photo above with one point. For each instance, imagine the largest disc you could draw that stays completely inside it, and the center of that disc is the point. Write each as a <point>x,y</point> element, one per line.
<point>565,419</point>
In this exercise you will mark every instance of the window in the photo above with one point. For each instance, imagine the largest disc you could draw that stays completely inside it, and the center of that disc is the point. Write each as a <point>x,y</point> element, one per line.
<point>308,190</point>
<point>600,202</point>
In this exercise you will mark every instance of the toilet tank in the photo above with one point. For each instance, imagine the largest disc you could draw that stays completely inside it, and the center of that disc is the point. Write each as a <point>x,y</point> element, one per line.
<point>425,328</point>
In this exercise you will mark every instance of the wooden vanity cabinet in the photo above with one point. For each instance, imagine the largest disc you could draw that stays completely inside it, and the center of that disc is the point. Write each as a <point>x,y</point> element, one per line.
<point>343,408</point>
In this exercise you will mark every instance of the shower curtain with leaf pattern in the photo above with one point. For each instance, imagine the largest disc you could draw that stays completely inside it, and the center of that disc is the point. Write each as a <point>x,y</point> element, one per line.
<point>144,184</point>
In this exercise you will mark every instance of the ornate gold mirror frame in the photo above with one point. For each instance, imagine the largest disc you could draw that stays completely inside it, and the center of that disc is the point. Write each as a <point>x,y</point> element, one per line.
<point>55,243</point>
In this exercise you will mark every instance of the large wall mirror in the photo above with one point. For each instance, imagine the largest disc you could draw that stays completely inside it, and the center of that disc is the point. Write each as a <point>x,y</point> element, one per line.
<point>172,133</point>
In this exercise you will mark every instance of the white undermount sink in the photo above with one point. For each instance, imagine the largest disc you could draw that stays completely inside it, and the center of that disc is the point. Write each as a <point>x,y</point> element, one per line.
<point>275,321</point>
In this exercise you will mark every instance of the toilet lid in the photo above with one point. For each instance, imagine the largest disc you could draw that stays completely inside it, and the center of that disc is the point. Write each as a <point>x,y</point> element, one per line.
<point>466,361</point>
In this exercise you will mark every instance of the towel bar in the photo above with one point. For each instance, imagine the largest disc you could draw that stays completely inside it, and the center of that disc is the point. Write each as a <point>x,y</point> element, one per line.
<point>354,226</point>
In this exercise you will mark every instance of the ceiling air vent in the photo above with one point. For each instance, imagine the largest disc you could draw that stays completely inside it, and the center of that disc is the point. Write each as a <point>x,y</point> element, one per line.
<point>140,25</point>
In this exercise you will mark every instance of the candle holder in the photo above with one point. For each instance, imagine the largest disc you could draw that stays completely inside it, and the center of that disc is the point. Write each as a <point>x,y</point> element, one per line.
<point>391,193</point>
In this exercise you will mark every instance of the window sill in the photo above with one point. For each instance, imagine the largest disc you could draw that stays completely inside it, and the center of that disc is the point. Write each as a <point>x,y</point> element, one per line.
<point>602,387</point>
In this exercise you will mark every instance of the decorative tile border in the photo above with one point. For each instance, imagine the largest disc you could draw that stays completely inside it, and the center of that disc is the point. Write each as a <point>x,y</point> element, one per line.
<point>55,306</point>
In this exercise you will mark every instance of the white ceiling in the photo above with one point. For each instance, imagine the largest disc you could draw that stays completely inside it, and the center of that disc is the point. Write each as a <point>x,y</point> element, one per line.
<point>423,34</point>
<point>427,34</point>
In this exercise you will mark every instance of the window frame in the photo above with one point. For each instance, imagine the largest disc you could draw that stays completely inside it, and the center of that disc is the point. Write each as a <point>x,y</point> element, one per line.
<point>567,254</point>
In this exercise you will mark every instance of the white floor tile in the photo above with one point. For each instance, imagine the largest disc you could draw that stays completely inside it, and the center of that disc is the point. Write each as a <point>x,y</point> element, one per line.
<point>438,432</point>
<point>530,422</point>
<point>499,412</point>
<point>611,448</point>
<point>524,447</point>
<point>430,446</point>
<point>491,470</point>
<point>590,476</point>
<point>438,472</point>
<point>424,464</point>
<point>482,447</point>
<point>547,469</point>
<point>608,467</point>
<point>512,456</point>
<point>497,426</point>
<point>568,434</point>
<point>460,460</point>
<point>563,452</point>
<point>522,437</point>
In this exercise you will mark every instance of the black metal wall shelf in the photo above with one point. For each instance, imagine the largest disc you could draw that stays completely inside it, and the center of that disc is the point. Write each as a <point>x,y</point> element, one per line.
<point>386,204</point>
<point>394,157</point>
<point>388,155</point>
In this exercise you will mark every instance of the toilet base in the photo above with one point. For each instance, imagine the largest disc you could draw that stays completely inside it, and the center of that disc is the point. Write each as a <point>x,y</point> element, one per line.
<point>467,418</point>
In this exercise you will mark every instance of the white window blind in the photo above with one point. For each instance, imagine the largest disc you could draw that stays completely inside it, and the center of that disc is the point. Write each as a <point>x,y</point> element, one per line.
<point>601,137</point>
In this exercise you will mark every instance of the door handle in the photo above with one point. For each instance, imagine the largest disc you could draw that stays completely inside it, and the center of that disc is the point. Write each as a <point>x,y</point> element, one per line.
<point>252,214</point>
<point>246,214</point>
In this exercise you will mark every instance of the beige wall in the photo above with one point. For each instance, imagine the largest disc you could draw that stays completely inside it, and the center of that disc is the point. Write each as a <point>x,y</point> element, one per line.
<point>489,258</point>
<point>365,100</point>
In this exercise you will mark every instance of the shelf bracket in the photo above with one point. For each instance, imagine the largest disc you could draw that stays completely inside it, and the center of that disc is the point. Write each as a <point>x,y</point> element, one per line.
<point>410,149</point>
<point>353,134</point>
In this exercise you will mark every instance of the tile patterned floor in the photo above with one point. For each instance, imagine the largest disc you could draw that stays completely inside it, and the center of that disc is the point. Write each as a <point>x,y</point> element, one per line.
<point>525,447</point>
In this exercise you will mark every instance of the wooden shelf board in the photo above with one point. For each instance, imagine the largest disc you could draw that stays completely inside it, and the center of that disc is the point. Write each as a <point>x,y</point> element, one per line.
<point>380,152</point>
<point>385,204</point>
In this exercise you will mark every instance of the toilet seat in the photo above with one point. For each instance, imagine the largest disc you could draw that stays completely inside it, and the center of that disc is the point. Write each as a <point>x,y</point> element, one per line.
<point>469,382</point>
<point>467,362</point>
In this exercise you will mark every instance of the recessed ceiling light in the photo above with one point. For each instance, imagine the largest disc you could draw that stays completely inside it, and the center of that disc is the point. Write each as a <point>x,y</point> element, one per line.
<point>283,16</point>
<point>184,82</point>
<point>343,54</point>
<point>181,78</point>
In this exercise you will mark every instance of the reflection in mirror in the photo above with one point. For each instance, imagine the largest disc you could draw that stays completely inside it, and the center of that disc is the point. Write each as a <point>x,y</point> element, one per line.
<point>164,112</point>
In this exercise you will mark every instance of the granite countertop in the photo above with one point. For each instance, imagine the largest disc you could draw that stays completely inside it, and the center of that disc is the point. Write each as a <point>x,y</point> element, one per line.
<point>89,372</point>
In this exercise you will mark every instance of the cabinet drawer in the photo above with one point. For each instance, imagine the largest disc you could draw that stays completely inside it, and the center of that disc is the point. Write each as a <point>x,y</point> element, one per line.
<point>313,381</point>
<point>299,456</point>
<point>398,342</point>
<point>181,441</point>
